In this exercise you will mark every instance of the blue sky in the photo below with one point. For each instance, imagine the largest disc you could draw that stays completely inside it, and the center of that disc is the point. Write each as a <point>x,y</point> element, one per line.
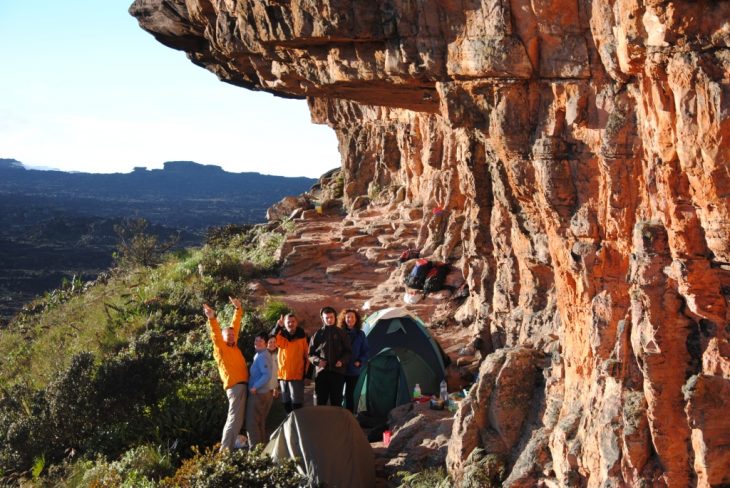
<point>84,88</point>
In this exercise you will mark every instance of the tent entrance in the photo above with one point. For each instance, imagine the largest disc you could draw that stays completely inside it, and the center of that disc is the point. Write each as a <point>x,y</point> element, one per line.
<point>389,379</point>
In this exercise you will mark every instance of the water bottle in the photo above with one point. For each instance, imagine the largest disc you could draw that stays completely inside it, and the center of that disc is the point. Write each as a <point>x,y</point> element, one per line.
<point>417,391</point>
<point>444,394</point>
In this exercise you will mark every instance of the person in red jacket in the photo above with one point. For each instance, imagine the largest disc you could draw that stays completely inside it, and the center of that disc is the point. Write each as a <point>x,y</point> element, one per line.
<point>232,369</point>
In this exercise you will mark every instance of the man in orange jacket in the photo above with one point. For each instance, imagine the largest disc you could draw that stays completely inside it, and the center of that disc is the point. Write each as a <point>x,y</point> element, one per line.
<point>232,368</point>
<point>293,346</point>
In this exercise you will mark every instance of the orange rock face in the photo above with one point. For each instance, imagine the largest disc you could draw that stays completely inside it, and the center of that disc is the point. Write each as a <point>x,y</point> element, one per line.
<point>580,151</point>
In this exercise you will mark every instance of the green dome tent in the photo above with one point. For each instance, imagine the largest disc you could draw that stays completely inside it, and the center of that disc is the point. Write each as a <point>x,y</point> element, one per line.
<point>402,353</point>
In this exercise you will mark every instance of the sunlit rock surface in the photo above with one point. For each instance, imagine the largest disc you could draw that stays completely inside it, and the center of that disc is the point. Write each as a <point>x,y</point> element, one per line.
<point>580,151</point>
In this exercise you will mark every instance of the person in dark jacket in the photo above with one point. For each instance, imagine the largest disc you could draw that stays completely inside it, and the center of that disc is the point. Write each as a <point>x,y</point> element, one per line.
<point>349,320</point>
<point>329,351</point>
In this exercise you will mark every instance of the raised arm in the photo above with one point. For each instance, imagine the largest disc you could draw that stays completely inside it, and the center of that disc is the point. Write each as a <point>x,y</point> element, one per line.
<point>237,315</point>
<point>214,327</point>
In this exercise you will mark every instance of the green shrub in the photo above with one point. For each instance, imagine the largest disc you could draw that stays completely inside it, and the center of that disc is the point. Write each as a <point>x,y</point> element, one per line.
<point>72,409</point>
<point>427,478</point>
<point>264,253</point>
<point>192,414</point>
<point>104,474</point>
<point>127,362</point>
<point>225,235</point>
<point>136,247</point>
<point>18,406</point>
<point>39,465</point>
<point>70,473</point>
<point>240,468</point>
<point>100,474</point>
<point>226,264</point>
<point>147,461</point>
<point>49,421</point>
<point>88,408</point>
<point>484,470</point>
<point>272,310</point>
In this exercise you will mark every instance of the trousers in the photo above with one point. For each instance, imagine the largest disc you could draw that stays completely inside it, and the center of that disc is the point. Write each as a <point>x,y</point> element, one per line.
<point>236,411</point>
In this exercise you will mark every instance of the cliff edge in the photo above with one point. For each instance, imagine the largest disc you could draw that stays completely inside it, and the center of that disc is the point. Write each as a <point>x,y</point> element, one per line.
<point>580,152</point>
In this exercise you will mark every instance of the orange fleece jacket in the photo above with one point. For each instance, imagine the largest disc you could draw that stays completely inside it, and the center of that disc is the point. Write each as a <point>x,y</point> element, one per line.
<point>231,365</point>
<point>293,355</point>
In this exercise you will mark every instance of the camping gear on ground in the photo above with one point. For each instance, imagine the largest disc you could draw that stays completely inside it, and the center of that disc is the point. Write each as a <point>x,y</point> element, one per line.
<point>328,445</point>
<point>412,298</point>
<point>402,354</point>
<point>436,277</point>
<point>443,390</point>
<point>454,399</point>
<point>437,404</point>
<point>386,437</point>
<point>417,391</point>
<point>417,276</point>
<point>429,276</point>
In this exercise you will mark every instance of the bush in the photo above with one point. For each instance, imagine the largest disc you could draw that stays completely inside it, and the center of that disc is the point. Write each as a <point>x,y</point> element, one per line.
<point>138,248</point>
<point>240,468</point>
<point>225,235</point>
<point>86,408</point>
<point>72,405</point>
<point>272,310</point>
<point>118,474</point>
<point>264,253</point>
<point>192,414</point>
<point>227,265</point>
<point>484,470</point>
<point>150,377</point>
<point>427,478</point>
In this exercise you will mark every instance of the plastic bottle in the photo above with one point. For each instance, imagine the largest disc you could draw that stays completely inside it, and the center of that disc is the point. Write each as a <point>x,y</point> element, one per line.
<point>444,392</point>
<point>417,391</point>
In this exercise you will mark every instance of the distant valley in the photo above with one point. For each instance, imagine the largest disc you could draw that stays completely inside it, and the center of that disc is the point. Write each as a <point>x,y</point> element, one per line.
<point>55,224</point>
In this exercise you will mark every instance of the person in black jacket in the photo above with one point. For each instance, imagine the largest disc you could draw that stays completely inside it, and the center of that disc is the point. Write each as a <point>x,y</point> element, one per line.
<point>329,352</point>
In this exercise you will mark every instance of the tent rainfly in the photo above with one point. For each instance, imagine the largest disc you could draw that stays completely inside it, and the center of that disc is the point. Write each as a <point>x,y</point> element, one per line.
<point>402,354</point>
<point>328,445</point>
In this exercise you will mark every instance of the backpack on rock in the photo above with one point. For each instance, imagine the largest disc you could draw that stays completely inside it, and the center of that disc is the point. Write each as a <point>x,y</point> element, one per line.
<point>436,277</point>
<point>418,274</point>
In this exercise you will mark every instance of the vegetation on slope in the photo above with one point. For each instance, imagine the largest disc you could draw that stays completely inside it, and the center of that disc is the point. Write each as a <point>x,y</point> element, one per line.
<point>113,384</point>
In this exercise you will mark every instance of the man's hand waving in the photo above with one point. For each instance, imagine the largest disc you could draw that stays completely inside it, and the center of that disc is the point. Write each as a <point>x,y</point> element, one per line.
<point>208,311</point>
<point>235,302</point>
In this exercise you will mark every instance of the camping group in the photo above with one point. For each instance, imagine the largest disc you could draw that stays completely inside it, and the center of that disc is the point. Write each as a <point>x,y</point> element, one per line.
<point>366,367</point>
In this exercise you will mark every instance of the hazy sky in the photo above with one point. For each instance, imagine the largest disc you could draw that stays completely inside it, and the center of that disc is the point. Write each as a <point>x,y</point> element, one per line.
<point>83,88</point>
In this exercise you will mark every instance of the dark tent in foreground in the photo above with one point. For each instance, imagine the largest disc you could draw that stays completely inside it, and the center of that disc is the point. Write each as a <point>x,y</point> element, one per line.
<point>402,354</point>
<point>329,446</point>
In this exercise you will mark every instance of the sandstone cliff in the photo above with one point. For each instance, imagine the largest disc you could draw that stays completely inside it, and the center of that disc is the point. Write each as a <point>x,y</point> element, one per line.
<point>580,151</point>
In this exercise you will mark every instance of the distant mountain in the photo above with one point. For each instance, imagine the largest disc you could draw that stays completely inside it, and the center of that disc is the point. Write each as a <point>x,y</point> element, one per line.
<point>55,224</point>
<point>10,164</point>
<point>183,194</point>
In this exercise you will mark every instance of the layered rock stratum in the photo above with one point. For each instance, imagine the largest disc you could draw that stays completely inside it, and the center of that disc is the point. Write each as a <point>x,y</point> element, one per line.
<point>579,151</point>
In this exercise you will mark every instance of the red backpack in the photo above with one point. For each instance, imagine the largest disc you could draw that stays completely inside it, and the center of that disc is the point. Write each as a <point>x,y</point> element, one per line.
<point>436,277</point>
